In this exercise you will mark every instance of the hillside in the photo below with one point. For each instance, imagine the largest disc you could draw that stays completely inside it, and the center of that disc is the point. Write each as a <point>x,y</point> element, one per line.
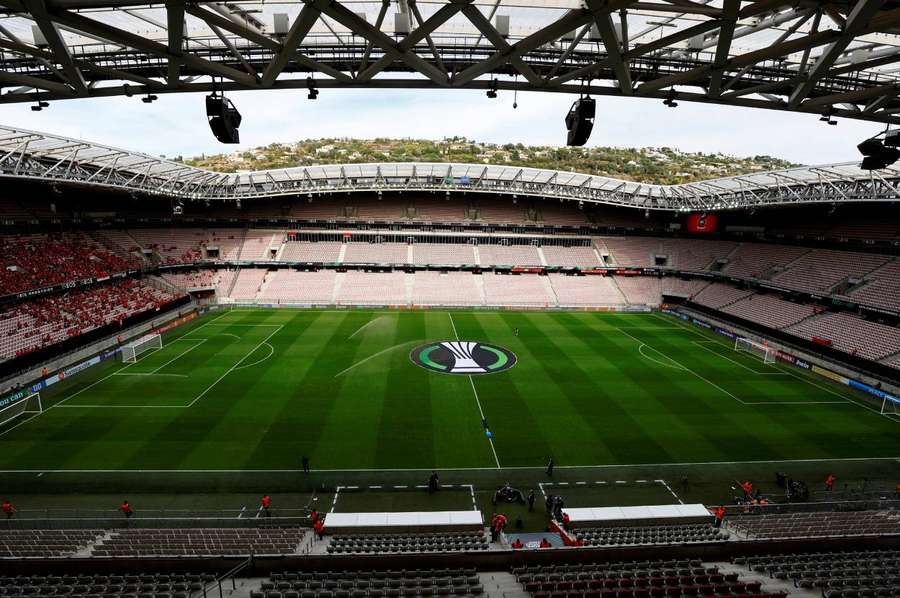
<point>648,165</point>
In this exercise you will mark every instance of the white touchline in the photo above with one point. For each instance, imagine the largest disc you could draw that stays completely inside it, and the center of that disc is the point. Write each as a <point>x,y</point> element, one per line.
<point>475,392</point>
<point>183,353</point>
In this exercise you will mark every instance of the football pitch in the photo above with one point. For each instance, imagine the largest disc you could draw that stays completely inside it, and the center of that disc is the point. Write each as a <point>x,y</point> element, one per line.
<point>256,390</point>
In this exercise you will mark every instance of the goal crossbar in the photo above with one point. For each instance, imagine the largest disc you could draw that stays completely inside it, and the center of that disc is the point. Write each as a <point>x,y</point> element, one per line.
<point>745,345</point>
<point>30,404</point>
<point>132,350</point>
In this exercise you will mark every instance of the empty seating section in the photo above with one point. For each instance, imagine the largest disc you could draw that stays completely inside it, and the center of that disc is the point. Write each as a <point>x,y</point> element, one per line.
<point>822,269</point>
<point>376,253</point>
<point>199,542</point>
<point>770,311</point>
<point>585,290</point>
<point>522,290</point>
<point>143,585</point>
<point>44,543</point>
<point>223,281</point>
<point>695,254</point>
<point>119,241</point>
<point>372,584</point>
<point>508,255</point>
<point>633,251</point>
<point>845,574</point>
<point>44,321</point>
<point>172,246</point>
<point>227,241</point>
<point>578,257</point>
<point>558,215</point>
<point>198,279</point>
<point>851,334</point>
<point>659,534</point>
<point>882,288</point>
<point>641,579</point>
<point>304,251</point>
<point>259,243</point>
<point>718,295</point>
<point>290,286</point>
<point>683,288</point>
<point>498,211</point>
<point>396,543</point>
<point>818,525</point>
<point>371,288</point>
<point>438,210</point>
<point>373,209</point>
<point>37,261</point>
<point>639,290</point>
<point>247,284</point>
<point>443,254</point>
<point>450,288</point>
<point>759,260</point>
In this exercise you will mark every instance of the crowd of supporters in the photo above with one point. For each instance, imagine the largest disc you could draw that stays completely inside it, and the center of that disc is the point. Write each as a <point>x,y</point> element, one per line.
<point>36,261</point>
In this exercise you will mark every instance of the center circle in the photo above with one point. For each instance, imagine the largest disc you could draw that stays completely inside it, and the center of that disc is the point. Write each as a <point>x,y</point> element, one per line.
<point>465,358</point>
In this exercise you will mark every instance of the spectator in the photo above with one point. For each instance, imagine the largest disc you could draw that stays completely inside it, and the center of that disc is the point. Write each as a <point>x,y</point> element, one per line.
<point>8,508</point>
<point>265,503</point>
<point>517,544</point>
<point>126,509</point>
<point>720,516</point>
<point>319,528</point>
<point>829,482</point>
<point>545,543</point>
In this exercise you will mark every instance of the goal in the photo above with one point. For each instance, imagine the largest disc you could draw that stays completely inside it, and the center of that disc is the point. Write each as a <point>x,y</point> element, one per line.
<point>890,406</point>
<point>30,404</point>
<point>745,345</point>
<point>131,351</point>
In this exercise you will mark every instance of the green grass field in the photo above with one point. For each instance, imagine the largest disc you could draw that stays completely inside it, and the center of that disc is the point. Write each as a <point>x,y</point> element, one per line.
<point>257,389</point>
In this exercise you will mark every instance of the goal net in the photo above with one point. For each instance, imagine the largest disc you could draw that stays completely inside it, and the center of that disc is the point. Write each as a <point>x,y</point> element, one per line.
<point>890,406</point>
<point>745,345</point>
<point>24,406</point>
<point>132,350</point>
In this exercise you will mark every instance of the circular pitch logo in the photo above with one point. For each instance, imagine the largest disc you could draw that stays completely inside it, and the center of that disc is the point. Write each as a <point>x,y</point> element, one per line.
<point>463,357</point>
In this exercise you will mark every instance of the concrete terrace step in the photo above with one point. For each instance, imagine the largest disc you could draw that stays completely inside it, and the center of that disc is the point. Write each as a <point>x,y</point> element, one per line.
<point>498,584</point>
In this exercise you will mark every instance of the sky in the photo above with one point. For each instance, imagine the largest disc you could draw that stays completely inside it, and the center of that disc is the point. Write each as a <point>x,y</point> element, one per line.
<point>175,125</point>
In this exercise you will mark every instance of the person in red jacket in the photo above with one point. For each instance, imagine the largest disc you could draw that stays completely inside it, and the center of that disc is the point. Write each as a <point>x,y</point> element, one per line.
<point>545,543</point>
<point>8,508</point>
<point>319,528</point>
<point>720,516</point>
<point>517,544</point>
<point>829,482</point>
<point>126,509</point>
<point>747,487</point>
<point>265,503</point>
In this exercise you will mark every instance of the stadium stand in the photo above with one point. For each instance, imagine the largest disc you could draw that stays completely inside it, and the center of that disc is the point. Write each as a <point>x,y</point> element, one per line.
<point>580,257</point>
<point>696,255</point>
<point>45,543</point>
<point>522,290</point>
<point>199,542</point>
<point>639,290</point>
<point>822,269</point>
<point>585,290</point>
<point>145,585</point>
<point>443,254</point>
<point>260,245</point>
<point>881,287</point>
<point>633,251</point>
<point>437,210</point>
<point>290,286</point>
<point>511,255</point>
<point>758,260</point>
<point>247,284</point>
<point>719,295</point>
<point>372,584</point>
<point>851,334</point>
<point>36,261</point>
<point>682,288</point>
<point>189,281</point>
<point>44,321</point>
<point>446,288</point>
<point>376,253</point>
<point>304,251</point>
<point>364,288</point>
<point>771,311</point>
<point>397,543</point>
<point>817,524</point>
<point>228,242</point>
<point>843,574</point>
<point>660,534</point>
<point>171,246</point>
<point>654,579</point>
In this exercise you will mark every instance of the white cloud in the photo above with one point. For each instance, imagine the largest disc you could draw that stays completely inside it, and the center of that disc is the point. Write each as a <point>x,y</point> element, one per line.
<point>176,123</point>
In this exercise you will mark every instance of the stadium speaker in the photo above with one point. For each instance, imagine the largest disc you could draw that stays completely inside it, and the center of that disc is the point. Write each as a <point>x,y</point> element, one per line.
<point>224,119</point>
<point>876,155</point>
<point>580,121</point>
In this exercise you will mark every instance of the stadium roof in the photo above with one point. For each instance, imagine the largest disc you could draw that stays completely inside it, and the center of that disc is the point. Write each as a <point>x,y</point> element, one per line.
<point>54,159</point>
<point>796,55</point>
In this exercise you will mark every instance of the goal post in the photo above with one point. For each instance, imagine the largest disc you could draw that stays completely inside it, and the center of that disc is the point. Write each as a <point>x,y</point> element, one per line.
<point>745,345</point>
<point>28,405</point>
<point>890,406</point>
<point>132,350</point>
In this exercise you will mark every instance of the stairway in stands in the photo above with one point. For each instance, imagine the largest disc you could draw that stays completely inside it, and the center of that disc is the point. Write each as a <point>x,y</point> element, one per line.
<point>501,585</point>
